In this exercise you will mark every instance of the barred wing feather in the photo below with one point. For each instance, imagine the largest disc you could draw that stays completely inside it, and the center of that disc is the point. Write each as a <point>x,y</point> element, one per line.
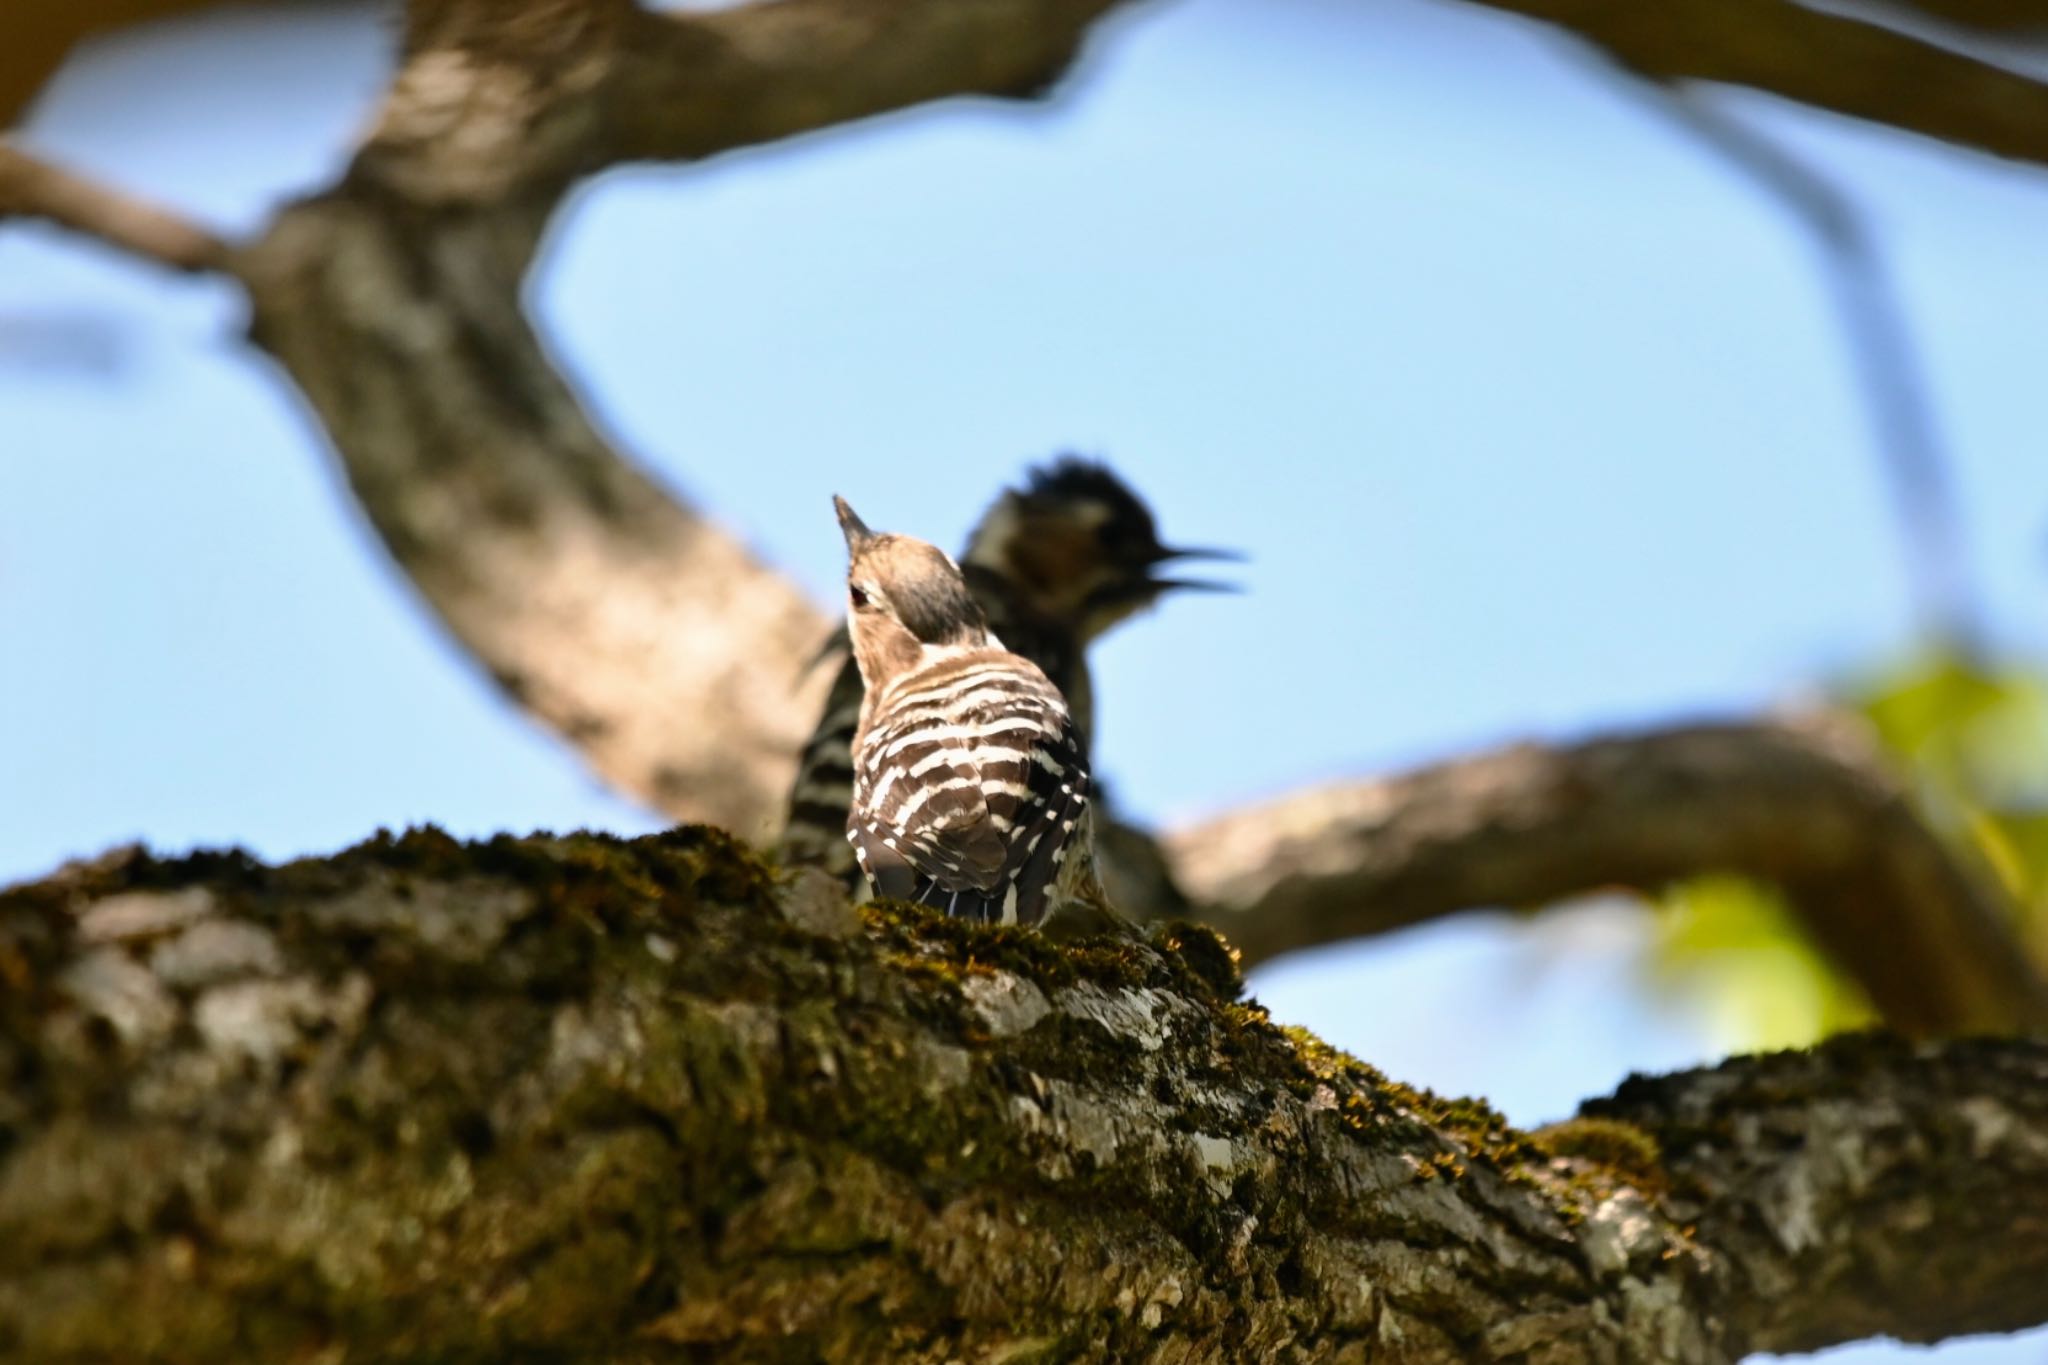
<point>967,803</point>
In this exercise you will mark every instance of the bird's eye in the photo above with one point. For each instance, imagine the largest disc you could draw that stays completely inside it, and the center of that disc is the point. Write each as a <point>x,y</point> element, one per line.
<point>856,596</point>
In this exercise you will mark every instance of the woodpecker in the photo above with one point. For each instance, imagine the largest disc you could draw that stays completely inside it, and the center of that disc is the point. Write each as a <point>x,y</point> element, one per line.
<point>970,784</point>
<point>1054,564</point>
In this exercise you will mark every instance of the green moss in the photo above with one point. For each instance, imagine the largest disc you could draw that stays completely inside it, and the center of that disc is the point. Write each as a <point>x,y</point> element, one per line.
<point>607,880</point>
<point>1247,1014</point>
<point>961,946</point>
<point>936,971</point>
<point>578,1283</point>
<point>1374,1108</point>
<point>426,850</point>
<point>1206,953</point>
<point>1186,965</point>
<point>1619,1146</point>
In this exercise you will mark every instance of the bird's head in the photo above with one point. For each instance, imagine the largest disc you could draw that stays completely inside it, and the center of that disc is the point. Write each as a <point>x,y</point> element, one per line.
<point>1081,549</point>
<point>905,600</point>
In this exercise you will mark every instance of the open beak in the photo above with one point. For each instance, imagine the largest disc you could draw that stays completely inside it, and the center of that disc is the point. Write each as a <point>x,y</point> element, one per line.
<point>1167,554</point>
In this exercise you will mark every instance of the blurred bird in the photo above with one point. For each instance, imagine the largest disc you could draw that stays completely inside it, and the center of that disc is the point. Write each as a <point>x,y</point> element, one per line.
<point>970,786</point>
<point>1053,564</point>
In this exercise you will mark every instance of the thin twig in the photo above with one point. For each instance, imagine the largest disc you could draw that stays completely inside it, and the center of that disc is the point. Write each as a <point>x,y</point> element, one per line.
<point>33,188</point>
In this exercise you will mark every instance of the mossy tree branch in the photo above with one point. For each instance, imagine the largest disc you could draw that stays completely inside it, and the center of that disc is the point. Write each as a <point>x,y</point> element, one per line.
<point>1774,1158</point>
<point>582,1098</point>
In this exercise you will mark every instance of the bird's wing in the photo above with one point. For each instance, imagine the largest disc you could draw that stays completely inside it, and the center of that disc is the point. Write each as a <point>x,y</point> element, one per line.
<point>1034,776</point>
<point>973,815</point>
<point>923,814</point>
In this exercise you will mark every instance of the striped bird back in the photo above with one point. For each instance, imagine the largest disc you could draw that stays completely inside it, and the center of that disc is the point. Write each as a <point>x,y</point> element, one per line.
<point>969,783</point>
<point>815,834</point>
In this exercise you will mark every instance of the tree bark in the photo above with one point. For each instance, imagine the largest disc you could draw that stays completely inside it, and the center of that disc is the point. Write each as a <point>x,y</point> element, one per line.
<point>596,1100</point>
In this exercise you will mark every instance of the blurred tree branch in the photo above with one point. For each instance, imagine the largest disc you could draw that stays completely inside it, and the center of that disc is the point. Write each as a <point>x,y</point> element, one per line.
<point>1808,807</point>
<point>1848,64</point>
<point>1810,56</point>
<point>30,187</point>
<point>611,1101</point>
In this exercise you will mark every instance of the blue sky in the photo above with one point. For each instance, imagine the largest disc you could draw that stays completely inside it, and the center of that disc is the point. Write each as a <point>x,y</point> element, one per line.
<point>1531,416</point>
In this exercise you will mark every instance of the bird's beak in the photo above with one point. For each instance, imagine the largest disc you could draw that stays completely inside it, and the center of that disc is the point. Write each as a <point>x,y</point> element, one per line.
<point>856,530</point>
<point>1167,554</point>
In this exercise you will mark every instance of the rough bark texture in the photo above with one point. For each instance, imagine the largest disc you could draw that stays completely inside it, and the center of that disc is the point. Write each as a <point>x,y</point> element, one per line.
<point>595,1100</point>
<point>583,1099</point>
<point>1841,1181</point>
